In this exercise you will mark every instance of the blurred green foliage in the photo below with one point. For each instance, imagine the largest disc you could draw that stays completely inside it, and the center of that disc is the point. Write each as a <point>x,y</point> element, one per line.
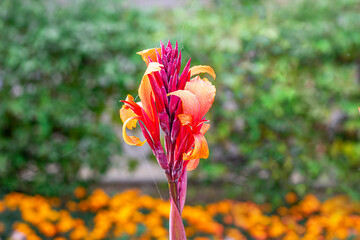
<point>288,76</point>
<point>285,116</point>
<point>63,68</point>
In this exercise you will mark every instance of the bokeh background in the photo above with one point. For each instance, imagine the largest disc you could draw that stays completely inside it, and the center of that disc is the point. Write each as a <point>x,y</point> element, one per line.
<point>285,117</point>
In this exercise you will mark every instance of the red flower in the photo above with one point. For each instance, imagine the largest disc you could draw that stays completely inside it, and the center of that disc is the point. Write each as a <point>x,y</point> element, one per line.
<point>197,96</point>
<point>177,103</point>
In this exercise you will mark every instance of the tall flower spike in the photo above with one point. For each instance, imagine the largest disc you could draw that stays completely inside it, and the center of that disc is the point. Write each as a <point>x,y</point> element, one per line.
<point>176,103</point>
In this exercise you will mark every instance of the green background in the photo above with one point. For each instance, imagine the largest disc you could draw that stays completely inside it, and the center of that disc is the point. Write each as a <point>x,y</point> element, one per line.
<point>285,117</point>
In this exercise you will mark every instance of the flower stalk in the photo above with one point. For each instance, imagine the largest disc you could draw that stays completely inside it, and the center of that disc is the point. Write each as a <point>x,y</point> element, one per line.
<point>176,104</point>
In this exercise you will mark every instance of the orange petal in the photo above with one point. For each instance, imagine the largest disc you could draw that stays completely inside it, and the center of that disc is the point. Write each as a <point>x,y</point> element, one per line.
<point>190,103</point>
<point>201,149</point>
<point>204,91</point>
<point>204,128</point>
<point>153,67</point>
<point>202,69</point>
<point>126,113</point>
<point>131,140</point>
<point>186,119</point>
<point>192,164</point>
<point>145,89</point>
<point>145,54</point>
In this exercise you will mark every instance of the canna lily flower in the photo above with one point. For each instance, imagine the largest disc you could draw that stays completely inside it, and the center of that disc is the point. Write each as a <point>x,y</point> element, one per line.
<point>176,103</point>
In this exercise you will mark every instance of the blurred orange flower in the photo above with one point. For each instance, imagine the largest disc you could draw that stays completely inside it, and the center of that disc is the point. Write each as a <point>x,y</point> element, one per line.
<point>80,192</point>
<point>291,198</point>
<point>142,217</point>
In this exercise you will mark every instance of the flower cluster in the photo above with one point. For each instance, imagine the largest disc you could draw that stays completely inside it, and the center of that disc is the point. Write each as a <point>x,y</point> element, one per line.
<point>177,104</point>
<point>131,215</point>
<point>183,123</point>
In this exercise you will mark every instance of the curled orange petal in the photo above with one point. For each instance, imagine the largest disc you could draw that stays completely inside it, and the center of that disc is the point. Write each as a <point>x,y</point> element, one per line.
<point>190,103</point>
<point>131,140</point>
<point>126,113</point>
<point>204,92</point>
<point>145,54</point>
<point>186,119</point>
<point>200,150</point>
<point>202,69</point>
<point>192,164</point>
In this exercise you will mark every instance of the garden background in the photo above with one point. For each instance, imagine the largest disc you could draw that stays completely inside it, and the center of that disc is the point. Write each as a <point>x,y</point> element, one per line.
<point>285,117</point>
